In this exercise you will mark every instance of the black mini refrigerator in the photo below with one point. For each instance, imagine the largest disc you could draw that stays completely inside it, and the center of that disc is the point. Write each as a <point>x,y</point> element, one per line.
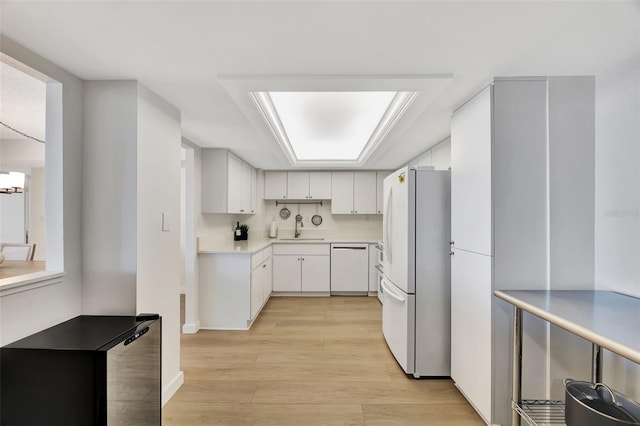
<point>90,370</point>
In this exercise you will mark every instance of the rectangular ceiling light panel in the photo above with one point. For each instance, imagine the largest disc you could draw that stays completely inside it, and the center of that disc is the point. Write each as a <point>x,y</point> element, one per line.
<point>330,125</point>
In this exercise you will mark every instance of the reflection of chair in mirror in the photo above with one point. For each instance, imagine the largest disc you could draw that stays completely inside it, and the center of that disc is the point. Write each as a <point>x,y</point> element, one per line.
<point>13,251</point>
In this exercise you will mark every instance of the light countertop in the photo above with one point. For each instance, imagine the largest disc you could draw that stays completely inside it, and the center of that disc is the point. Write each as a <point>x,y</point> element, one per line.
<point>254,245</point>
<point>611,320</point>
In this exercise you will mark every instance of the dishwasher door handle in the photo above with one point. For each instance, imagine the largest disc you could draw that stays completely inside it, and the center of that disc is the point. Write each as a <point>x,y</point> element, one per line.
<point>348,248</point>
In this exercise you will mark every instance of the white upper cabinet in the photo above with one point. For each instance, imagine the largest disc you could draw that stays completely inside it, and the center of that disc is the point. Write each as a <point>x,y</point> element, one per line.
<point>275,185</point>
<point>297,185</point>
<point>380,175</point>
<point>353,192</point>
<point>364,192</point>
<point>342,192</point>
<point>471,135</point>
<point>254,191</point>
<point>227,183</point>
<point>320,185</point>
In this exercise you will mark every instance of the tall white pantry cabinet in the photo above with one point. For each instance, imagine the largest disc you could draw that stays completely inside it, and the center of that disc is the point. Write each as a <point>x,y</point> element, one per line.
<point>522,217</point>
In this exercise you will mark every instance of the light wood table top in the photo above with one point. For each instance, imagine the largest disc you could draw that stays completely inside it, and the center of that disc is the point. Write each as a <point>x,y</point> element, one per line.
<point>14,268</point>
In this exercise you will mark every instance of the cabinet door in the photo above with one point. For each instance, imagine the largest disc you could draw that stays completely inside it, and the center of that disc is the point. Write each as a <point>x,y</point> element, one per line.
<point>342,192</point>
<point>267,284</point>
<point>286,273</point>
<point>297,185</point>
<point>257,289</point>
<point>275,185</point>
<point>364,192</point>
<point>373,272</point>
<point>471,224</point>
<point>379,193</point>
<point>234,183</point>
<point>316,273</point>
<point>320,185</point>
<point>245,195</point>
<point>254,191</point>
<point>471,327</point>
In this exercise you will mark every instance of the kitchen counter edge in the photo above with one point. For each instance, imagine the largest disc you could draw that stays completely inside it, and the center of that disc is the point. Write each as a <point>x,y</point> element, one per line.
<point>254,246</point>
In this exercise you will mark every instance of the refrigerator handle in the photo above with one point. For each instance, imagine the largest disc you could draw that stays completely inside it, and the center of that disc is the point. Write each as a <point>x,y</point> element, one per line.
<point>389,292</point>
<point>387,229</point>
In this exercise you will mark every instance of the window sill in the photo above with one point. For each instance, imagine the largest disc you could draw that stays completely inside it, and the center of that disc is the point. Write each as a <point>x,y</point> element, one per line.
<point>28,282</point>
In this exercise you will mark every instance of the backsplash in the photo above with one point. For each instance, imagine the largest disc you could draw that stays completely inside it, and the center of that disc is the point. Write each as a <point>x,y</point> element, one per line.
<point>219,227</point>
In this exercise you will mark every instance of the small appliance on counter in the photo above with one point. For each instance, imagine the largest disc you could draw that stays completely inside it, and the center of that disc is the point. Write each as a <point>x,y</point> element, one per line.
<point>89,370</point>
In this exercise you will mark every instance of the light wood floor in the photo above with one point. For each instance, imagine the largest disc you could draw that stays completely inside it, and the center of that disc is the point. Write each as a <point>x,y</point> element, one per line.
<point>308,361</point>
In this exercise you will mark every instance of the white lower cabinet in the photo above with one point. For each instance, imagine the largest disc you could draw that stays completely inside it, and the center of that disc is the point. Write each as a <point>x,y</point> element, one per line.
<point>287,274</point>
<point>315,273</point>
<point>233,288</point>
<point>261,285</point>
<point>471,328</point>
<point>301,268</point>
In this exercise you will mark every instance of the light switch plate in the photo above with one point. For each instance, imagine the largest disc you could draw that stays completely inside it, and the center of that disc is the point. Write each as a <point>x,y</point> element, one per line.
<point>165,222</point>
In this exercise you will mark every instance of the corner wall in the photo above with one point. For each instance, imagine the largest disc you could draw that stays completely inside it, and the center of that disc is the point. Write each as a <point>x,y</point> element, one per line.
<point>22,314</point>
<point>617,213</point>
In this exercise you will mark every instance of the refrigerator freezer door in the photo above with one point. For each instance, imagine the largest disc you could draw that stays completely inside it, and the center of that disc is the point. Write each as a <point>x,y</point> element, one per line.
<point>396,228</point>
<point>398,324</point>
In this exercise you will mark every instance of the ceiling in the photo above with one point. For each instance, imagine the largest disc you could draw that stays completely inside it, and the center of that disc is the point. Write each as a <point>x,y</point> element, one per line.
<point>22,104</point>
<point>199,55</point>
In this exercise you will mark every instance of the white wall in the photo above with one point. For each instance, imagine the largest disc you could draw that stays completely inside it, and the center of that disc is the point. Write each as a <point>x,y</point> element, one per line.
<point>132,177</point>
<point>12,218</point>
<point>617,212</point>
<point>37,227</point>
<point>109,197</point>
<point>30,311</point>
<point>158,251</point>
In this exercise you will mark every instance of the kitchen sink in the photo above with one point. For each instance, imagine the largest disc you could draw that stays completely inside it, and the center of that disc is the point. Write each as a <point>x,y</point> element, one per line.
<point>301,239</point>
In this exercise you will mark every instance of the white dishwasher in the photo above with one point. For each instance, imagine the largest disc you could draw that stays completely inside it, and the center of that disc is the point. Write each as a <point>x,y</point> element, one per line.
<point>349,268</point>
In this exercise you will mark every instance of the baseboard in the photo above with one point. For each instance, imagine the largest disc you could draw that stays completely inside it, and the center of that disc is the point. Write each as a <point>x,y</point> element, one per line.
<point>172,387</point>
<point>300,294</point>
<point>191,328</point>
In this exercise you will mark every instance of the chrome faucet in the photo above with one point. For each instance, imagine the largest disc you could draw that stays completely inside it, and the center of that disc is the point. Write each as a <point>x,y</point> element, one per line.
<point>297,233</point>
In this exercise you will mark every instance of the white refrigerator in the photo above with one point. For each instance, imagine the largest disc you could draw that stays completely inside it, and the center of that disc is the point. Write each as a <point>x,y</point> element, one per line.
<point>416,319</point>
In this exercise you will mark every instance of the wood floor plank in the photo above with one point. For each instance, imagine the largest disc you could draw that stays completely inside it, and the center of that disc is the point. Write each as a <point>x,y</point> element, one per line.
<point>421,415</point>
<point>308,361</point>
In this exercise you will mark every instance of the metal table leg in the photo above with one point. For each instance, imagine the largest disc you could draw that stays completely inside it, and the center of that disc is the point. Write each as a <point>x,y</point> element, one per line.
<point>516,384</point>
<point>596,363</point>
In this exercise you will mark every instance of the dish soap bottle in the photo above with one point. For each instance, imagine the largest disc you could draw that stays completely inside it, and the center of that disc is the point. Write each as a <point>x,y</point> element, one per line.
<point>237,233</point>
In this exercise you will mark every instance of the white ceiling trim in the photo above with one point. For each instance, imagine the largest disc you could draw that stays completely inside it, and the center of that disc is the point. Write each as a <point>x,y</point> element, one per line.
<point>248,92</point>
<point>394,112</point>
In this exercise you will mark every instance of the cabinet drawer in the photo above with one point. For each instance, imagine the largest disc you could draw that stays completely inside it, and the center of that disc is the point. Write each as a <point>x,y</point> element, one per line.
<point>261,256</point>
<point>257,259</point>
<point>301,249</point>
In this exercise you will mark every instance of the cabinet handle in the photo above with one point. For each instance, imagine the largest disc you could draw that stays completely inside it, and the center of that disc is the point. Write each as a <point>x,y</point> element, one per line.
<point>241,210</point>
<point>356,211</point>
<point>451,242</point>
<point>264,266</point>
<point>451,253</point>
